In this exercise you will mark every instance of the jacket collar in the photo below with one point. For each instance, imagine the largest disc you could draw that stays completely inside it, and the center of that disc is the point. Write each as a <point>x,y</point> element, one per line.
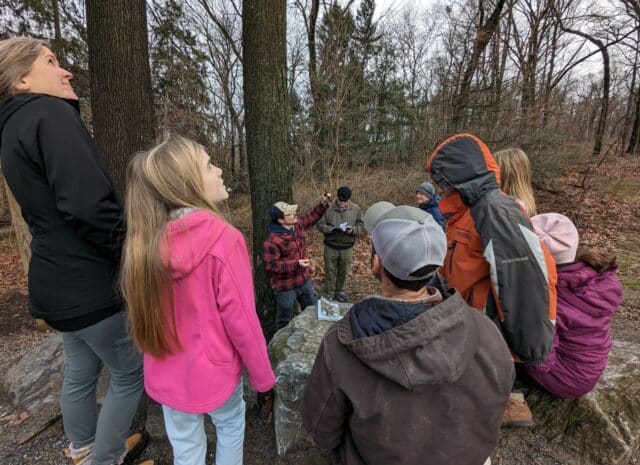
<point>279,229</point>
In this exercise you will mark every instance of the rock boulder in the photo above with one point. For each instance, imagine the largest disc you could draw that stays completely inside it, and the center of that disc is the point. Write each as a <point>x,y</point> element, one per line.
<point>35,382</point>
<point>602,427</point>
<point>292,351</point>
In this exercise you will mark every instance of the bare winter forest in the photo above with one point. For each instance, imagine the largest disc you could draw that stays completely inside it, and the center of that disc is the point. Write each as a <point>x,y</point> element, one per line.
<point>372,87</point>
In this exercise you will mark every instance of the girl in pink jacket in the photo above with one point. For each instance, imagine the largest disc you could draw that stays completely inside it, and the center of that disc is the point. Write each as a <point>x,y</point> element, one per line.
<point>187,280</point>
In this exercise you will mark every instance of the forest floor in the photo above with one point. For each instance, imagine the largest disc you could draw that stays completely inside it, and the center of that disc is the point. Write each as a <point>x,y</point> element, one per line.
<point>604,204</point>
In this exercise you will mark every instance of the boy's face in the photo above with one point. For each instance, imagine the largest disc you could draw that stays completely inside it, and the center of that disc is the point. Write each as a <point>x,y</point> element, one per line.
<point>422,198</point>
<point>289,220</point>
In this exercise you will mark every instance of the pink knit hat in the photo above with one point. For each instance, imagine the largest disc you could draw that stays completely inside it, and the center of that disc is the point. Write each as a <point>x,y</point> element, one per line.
<point>559,234</point>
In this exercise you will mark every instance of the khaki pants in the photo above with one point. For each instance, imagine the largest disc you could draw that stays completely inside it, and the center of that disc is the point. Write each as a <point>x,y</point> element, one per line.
<point>337,264</point>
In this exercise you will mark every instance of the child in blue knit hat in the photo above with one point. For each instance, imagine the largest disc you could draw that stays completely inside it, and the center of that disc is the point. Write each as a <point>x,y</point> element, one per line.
<point>428,201</point>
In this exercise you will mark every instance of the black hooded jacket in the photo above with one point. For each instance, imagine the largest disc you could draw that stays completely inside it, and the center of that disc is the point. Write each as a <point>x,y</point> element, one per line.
<point>53,169</point>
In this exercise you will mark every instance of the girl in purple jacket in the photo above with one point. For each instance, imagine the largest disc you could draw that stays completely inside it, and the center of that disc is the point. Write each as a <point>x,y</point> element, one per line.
<point>589,293</point>
<point>187,279</point>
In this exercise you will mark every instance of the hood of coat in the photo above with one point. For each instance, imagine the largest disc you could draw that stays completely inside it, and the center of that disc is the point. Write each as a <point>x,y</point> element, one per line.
<point>596,294</point>
<point>12,104</point>
<point>434,347</point>
<point>189,239</point>
<point>279,229</point>
<point>464,163</point>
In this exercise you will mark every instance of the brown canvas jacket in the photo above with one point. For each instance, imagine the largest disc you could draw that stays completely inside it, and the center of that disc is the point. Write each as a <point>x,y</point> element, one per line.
<point>430,391</point>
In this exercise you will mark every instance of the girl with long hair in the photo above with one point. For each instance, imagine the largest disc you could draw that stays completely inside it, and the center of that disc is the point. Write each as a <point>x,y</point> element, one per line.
<point>187,280</point>
<point>589,294</point>
<point>515,177</point>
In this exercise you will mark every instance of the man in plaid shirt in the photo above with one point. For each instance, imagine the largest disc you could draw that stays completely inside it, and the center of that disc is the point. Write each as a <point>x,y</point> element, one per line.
<point>285,256</point>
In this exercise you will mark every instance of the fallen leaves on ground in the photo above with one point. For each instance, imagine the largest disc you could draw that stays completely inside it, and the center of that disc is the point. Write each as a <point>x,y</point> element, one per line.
<point>15,419</point>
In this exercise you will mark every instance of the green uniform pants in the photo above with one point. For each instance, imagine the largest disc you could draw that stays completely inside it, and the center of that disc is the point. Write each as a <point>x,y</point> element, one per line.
<point>337,264</point>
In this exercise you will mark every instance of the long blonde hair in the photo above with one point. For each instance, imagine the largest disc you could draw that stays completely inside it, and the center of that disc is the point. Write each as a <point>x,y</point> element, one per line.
<point>158,181</point>
<point>17,55</point>
<point>515,177</point>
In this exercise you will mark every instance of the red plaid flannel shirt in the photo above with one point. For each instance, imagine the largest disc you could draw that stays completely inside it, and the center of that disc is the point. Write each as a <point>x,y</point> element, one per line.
<point>282,250</point>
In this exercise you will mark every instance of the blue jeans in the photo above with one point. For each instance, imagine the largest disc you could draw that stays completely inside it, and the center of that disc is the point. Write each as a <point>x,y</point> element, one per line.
<point>86,350</point>
<point>188,439</point>
<point>306,296</point>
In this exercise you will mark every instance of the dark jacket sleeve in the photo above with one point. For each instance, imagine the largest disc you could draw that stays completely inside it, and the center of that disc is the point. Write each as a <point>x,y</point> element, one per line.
<point>324,408</point>
<point>83,190</point>
<point>313,216</point>
<point>522,277</point>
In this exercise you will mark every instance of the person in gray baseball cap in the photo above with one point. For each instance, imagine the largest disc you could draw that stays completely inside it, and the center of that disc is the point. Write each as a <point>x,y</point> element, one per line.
<point>412,365</point>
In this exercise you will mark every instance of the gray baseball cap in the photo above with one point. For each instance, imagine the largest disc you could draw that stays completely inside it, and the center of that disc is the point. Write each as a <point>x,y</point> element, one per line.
<point>405,239</point>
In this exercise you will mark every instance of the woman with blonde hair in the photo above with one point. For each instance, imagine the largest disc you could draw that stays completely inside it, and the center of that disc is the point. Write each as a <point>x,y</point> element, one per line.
<point>515,177</point>
<point>55,172</point>
<point>187,280</point>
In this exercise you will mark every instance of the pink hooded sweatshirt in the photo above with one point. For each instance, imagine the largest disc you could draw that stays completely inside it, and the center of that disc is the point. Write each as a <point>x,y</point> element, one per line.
<point>215,319</point>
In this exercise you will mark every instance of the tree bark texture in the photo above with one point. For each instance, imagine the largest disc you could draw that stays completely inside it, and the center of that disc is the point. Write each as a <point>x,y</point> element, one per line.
<point>266,126</point>
<point>313,67</point>
<point>121,94</point>
<point>635,128</point>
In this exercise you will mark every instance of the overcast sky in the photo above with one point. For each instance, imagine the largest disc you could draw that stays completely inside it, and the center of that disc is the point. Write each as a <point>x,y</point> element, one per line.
<point>383,5</point>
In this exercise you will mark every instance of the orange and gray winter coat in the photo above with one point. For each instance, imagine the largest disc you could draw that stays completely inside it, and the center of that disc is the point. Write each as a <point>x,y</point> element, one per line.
<point>494,258</point>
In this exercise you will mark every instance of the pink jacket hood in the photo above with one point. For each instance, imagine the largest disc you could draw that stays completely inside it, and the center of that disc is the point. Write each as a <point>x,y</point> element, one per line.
<point>191,237</point>
<point>214,312</point>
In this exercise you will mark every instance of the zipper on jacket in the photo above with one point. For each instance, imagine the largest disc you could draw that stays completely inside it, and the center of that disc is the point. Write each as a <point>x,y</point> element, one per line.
<point>452,248</point>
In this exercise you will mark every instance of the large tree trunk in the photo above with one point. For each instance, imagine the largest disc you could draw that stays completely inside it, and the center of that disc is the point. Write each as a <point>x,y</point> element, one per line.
<point>604,108</point>
<point>266,126</point>
<point>313,67</point>
<point>121,94</point>
<point>635,129</point>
